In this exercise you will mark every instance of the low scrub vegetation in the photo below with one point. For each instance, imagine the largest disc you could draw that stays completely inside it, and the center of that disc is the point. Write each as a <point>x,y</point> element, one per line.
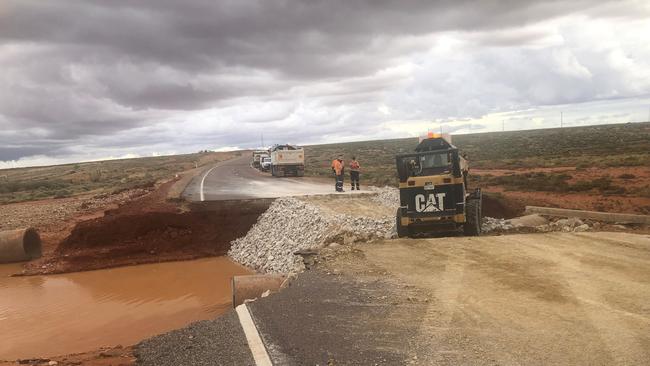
<point>528,182</point>
<point>549,182</point>
<point>581,147</point>
<point>112,176</point>
<point>35,185</point>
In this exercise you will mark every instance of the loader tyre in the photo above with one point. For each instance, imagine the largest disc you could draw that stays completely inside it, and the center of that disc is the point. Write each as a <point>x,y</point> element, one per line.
<point>402,231</point>
<point>472,226</point>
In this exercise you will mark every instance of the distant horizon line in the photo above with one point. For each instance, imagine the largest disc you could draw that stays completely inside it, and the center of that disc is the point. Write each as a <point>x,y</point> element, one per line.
<point>307,145</point>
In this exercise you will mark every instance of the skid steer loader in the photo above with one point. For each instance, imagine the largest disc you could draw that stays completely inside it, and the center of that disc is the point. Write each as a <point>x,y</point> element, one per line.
<point>434,197</point>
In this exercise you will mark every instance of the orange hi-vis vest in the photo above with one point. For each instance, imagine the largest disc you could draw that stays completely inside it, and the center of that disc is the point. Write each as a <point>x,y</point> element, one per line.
<point>337,166</point>
<point>354,166</point>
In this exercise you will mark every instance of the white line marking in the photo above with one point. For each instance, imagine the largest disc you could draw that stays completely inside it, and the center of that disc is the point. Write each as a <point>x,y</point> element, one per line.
<point>255,343</point>
<point>203,181</point>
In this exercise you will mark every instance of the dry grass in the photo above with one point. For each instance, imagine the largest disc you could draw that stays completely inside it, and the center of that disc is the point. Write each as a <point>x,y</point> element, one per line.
<point>582,147</point>
<point>112,176</point>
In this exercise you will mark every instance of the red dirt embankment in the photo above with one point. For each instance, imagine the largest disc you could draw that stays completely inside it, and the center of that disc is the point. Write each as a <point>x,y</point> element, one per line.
<point>632,185</point>
<point>501,207</point>
<point>149,229</point>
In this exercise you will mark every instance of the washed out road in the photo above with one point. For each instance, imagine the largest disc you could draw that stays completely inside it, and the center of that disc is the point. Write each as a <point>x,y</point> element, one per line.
<point>236,180</point>
<point>533,299</point>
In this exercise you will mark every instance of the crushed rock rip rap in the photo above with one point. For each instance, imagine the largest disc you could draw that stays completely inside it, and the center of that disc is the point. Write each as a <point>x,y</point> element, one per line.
<point>491,224</point>
<point>291,225</point>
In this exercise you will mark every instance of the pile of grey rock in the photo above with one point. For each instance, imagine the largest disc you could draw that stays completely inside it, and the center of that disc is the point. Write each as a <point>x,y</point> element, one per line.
<point>571,224</point>
<point>291,225</point>
<point>490,224</point>
<point>361,228</point>
<point>387,196</point>
<point>536,222</point>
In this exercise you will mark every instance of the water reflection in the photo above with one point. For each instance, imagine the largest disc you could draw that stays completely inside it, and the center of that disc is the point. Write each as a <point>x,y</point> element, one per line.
<point>61,314</point>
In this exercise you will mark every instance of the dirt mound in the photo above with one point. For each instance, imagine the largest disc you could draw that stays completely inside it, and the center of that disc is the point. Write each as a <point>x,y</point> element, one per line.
<point>501,207</point>
<point>156,201</point>
<point>154,231</point>
<point>123,239</point>
<point>150,229</point>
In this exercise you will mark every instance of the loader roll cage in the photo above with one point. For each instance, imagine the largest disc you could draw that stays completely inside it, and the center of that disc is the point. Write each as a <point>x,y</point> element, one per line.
<point>428,163</point>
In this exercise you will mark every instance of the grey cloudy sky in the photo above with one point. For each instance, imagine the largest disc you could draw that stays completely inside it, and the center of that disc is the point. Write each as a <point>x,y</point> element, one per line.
<point>83,80</point>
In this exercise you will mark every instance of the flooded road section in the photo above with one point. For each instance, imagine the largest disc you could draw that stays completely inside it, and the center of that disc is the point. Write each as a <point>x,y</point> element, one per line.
<point>79,312</point>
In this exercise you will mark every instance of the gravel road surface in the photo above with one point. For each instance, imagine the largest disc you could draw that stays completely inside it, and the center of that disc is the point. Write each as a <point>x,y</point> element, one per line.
<point>235,179</point>
<point>213,342</point>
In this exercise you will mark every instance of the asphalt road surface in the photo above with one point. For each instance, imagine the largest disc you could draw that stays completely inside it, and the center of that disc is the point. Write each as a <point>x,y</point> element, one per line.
<point>235,179</point>
<point>532,299</point>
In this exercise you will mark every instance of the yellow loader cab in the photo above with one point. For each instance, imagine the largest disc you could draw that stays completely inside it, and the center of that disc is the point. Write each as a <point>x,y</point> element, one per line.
<point>433,191</point>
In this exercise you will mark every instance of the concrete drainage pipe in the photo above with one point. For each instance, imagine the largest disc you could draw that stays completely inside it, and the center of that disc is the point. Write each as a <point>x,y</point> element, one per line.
<point>253,286</point>
<point>19,245</point>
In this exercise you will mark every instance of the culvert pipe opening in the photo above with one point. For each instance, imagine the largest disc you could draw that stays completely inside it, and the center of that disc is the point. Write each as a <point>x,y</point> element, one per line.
<point>20,245</point>
<point>32,244</point>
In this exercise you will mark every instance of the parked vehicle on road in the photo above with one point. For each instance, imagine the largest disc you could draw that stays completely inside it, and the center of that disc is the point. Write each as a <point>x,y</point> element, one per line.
<point>265,163</point>
<point>287,160</point>
<point>257,154</point>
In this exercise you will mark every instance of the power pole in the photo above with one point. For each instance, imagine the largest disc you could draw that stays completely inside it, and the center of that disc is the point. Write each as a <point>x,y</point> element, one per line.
<point>561,120</point>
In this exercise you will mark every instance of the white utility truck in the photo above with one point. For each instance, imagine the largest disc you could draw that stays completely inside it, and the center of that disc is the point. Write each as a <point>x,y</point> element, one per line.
<point>265,163</point>
<point>255,163</point>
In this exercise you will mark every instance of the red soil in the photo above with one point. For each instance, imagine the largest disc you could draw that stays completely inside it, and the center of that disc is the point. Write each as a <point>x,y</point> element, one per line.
<point>114,356</point>
<point>501,207</point>
<point>577,201</point>
<point>148,229</point>
<point>634,180</point>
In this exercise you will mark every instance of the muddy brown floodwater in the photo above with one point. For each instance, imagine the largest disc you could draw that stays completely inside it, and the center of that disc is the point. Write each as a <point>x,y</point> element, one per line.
<point>78,312</point>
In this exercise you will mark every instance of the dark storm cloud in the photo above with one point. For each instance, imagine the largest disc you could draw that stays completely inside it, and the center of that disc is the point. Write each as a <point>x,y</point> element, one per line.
<point>301,38</point>
<point>14,153</point>
<point>83,70</point>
